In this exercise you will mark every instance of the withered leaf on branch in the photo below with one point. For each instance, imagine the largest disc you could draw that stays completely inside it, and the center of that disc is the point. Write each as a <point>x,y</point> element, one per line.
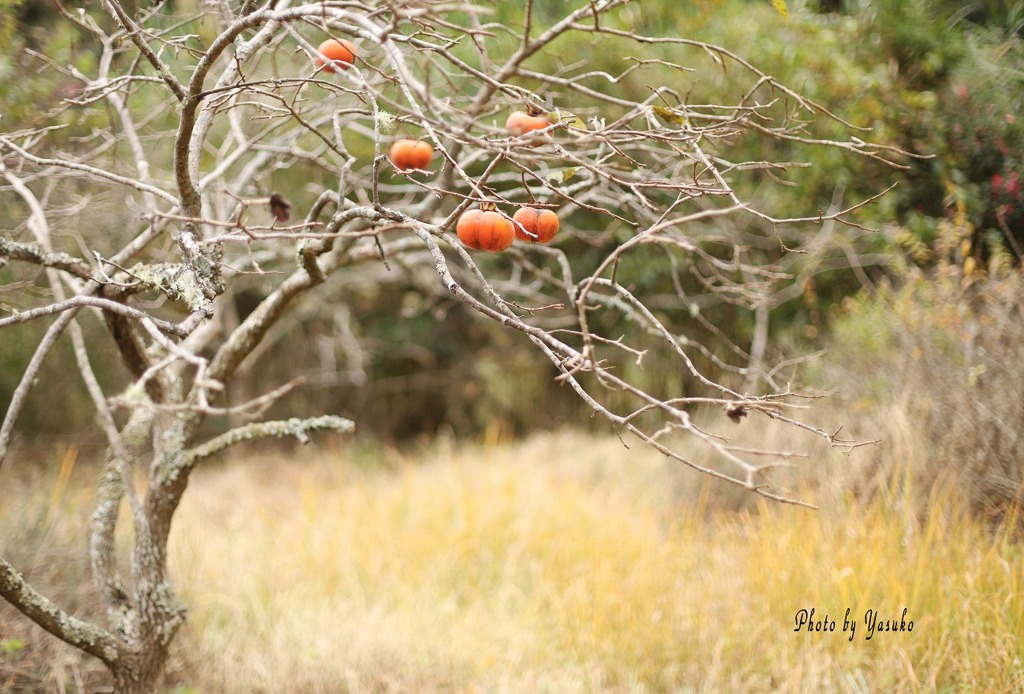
<point>280,208</point>
<point>736,412</point>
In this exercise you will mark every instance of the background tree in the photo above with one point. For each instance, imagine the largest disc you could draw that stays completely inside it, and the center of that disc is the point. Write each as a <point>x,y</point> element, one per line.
<point>204,175</point>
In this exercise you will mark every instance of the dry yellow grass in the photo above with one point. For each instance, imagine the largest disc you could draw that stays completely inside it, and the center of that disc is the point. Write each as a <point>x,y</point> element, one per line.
<point>565,564</point>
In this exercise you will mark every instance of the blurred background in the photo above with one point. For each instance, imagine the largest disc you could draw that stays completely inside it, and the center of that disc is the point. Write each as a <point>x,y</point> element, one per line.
<point>914,321</point>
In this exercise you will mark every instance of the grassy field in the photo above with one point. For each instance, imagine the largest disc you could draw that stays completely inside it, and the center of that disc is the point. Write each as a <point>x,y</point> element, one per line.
<point>556,564</point>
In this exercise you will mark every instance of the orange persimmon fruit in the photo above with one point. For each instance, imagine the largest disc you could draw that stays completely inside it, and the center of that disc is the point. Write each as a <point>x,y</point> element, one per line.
<point>485,230</point>
<point>520,123</point>
<point>411,154</point>
<point>342,52</point>
<point>535,225</point>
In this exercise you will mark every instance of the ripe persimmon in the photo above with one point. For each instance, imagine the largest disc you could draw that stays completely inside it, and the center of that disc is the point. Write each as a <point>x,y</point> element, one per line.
<point>342,52</point>
<point>485,230</point>
<point>411,154</point>
<point>535,225</point>
<point>520,123</point>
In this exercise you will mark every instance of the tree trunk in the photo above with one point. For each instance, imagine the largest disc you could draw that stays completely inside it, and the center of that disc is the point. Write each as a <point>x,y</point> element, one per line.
<point>140,673</point>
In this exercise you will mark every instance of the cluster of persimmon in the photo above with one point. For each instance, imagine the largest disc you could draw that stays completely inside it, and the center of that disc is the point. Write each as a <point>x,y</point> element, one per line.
<point>485,228</point>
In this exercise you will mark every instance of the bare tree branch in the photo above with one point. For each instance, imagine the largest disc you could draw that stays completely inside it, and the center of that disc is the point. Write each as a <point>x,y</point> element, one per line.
<point>135,33</point>
<point>96,302</point>
<point>275,429</point>
<point>58,261</point>
<point>28,379</point>
<point>91,171</point>
<point>39,609</point>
